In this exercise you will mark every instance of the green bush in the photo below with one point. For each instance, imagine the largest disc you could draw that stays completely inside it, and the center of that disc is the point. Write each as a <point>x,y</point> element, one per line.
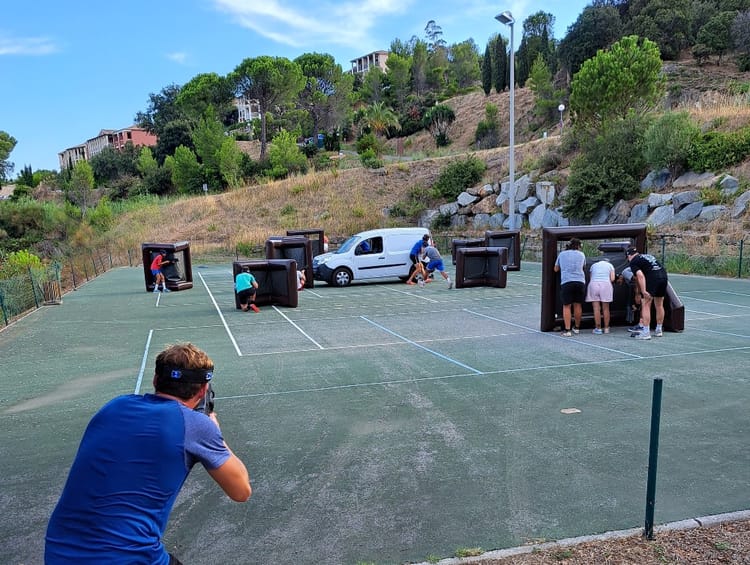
<point>370,159</point>
<point>716,150</point>
<point>369,141</point>
<point>285,156</point>
<point>609,169</point>
<point>458,176</point>
<point>668,141</point>
<point>19,263</point>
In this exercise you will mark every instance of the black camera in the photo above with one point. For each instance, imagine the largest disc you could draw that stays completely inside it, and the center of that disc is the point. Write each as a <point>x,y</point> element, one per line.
<point>206,405</point>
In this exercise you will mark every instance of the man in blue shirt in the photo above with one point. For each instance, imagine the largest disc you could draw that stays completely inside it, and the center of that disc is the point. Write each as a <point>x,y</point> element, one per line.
<point>133,459</point>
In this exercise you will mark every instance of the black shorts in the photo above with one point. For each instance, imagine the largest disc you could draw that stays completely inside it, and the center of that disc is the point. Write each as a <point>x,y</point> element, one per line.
<point>246,295</point>
<point>657,287</point>
<point>573,293</point>
<point>414,258</point>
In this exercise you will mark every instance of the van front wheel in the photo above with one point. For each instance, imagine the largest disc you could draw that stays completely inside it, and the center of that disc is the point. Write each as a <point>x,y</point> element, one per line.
<point>341,277</point>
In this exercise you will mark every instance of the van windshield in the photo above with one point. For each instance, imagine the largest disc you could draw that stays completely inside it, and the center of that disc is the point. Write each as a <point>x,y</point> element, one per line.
<point>347,245</point>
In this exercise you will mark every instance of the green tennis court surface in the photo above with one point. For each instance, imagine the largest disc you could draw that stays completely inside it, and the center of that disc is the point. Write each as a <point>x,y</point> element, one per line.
<point>386,423</point>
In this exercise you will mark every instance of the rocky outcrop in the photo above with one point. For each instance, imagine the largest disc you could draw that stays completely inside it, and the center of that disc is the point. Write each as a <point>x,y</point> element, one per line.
<point>537,203</point>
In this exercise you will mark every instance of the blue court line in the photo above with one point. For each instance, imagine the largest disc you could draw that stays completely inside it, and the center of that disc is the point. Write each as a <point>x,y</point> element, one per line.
<point>415,344</point>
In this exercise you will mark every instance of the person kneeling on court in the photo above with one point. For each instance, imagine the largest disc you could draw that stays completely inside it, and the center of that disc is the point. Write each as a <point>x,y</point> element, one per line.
<point>133,459</point>
<point>246,285</point>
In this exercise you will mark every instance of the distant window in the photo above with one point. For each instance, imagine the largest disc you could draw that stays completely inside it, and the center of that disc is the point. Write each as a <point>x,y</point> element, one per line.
<point>130,135</point>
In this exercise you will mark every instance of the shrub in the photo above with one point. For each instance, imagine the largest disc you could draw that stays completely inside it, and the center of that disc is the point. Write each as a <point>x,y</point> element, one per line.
<point>668,140</point>
<point>458,176</point>
<point>609,169</point>
<point>19,263</point>
<point>285,156</point>
<point>715,150</point>
<point>369,141</point>
<point>370,159</point>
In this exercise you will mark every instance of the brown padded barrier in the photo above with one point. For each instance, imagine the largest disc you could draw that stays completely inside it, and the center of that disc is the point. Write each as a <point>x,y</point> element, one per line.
<point>178,274</point>
<point>511,239</point>
<point>633,234</point>
<point>481,266</point>
<point>297,247</point>
<point>316,237</point>
<point>277,281</point>
<point>471,242</point>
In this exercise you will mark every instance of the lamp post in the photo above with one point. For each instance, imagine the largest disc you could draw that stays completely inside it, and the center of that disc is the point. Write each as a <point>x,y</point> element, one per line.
<point>561,107</point>
<point>507,19</point>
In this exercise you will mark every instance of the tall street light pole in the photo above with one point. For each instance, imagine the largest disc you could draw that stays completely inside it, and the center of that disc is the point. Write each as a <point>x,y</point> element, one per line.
<point>507,19</point>
<point>561,108</point>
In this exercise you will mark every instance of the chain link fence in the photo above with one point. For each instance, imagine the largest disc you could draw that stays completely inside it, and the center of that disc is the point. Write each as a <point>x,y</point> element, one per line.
<point>688,254</point>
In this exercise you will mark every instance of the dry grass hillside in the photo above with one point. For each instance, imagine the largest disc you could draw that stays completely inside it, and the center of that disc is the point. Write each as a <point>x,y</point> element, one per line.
<point>353,198</point>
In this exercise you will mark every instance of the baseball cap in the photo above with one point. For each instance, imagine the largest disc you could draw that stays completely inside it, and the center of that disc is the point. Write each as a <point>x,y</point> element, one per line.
<point>631,251</point>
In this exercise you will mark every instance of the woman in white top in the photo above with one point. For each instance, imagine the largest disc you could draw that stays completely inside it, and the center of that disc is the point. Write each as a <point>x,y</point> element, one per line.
<point>599,293</point>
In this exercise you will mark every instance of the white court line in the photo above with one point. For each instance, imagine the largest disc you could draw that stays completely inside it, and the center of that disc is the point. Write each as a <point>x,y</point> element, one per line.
<point>699,329</point>
<point>300,330</point>
<point>143,363</point>
<point>415,295</point>
<point>551,334</point>
<point>415,344</point>
<point>720,303</point>
<point>467,375</point>
<point>223,321</point>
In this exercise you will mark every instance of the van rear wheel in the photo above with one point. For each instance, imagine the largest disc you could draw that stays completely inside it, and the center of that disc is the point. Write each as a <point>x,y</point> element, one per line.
<point>341,277</point>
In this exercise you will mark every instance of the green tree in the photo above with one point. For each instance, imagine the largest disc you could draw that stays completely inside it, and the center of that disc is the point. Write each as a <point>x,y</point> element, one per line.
<point>546,97</point>
<point>597,27</point>
<point>146,163</point>
<point>326,93</point>
<point>186,171</point>
<point>272,81</point>
<point>419,67</point>
<point>665,22</point>
<point>487,71</point>
<point>285,156</point>
<point>373,86</point>
<point>26,177</point>
<point>174,134</point>
<point>464,63</point>
<point>536,40</point>
<point>162,110</point>
<point>741,39</point>
<point>500,63</point>
<point>625,78</point>
<point>7,144</point>
<point>207,139</point>
<point>378,119</point>
<point>399,79</point>
<point>230,162</point>
<point>438,120</point>
<point>203,91</point>
<point>717,34</point>
<point>81,185</point>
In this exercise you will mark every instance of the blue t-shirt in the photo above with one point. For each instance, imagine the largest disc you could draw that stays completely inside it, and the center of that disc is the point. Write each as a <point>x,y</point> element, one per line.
<point>416,249</point>
<point>134,457</point>
<point>243,282</point>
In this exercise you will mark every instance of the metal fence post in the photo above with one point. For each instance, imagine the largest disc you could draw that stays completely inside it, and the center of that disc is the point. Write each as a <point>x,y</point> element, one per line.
<point>2,307</point>
<point>739,262</point>
<point>653,453</point>
<point>33,289</point>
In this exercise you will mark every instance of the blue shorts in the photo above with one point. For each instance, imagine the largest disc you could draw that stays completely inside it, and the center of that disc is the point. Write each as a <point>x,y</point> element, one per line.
<point>436,265</point>
<point>156,272</point>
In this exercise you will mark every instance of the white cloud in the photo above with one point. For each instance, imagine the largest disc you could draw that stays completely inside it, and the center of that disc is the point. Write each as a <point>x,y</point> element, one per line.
<point>305,23</point>
<point>178,57</point>
<point>27,46</point>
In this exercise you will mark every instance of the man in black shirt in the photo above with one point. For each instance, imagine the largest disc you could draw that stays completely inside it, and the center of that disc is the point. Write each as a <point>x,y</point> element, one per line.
<point>651,279</point>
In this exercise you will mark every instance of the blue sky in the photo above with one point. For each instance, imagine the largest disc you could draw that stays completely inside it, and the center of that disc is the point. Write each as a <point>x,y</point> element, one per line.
<point>70,69</point>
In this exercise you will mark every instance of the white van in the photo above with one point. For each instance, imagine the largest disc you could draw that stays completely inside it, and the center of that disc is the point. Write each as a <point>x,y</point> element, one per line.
<point>369,255</point>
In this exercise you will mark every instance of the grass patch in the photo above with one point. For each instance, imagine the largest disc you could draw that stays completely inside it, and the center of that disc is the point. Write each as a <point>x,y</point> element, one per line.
<point>468,552</point>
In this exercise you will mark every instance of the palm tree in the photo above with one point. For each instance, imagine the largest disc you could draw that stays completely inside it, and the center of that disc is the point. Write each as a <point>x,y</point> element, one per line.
<point>378,118</point>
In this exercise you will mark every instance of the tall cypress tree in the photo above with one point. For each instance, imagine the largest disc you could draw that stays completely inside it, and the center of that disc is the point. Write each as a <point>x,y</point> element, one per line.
<point>487,70</point>
<point>500,64</point>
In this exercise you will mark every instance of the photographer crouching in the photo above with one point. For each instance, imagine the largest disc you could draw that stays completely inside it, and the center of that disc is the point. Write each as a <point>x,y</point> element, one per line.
<point>133,459</point>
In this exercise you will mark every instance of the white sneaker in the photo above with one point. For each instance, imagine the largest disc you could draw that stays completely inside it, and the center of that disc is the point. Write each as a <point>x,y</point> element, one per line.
<point>643,335</point>
<point>156,289</point>
<point>166,289</point>
<point>450,285</point>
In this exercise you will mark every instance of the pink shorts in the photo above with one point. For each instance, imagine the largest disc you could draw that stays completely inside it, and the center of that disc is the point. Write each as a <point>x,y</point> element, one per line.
<point>599,291</point>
